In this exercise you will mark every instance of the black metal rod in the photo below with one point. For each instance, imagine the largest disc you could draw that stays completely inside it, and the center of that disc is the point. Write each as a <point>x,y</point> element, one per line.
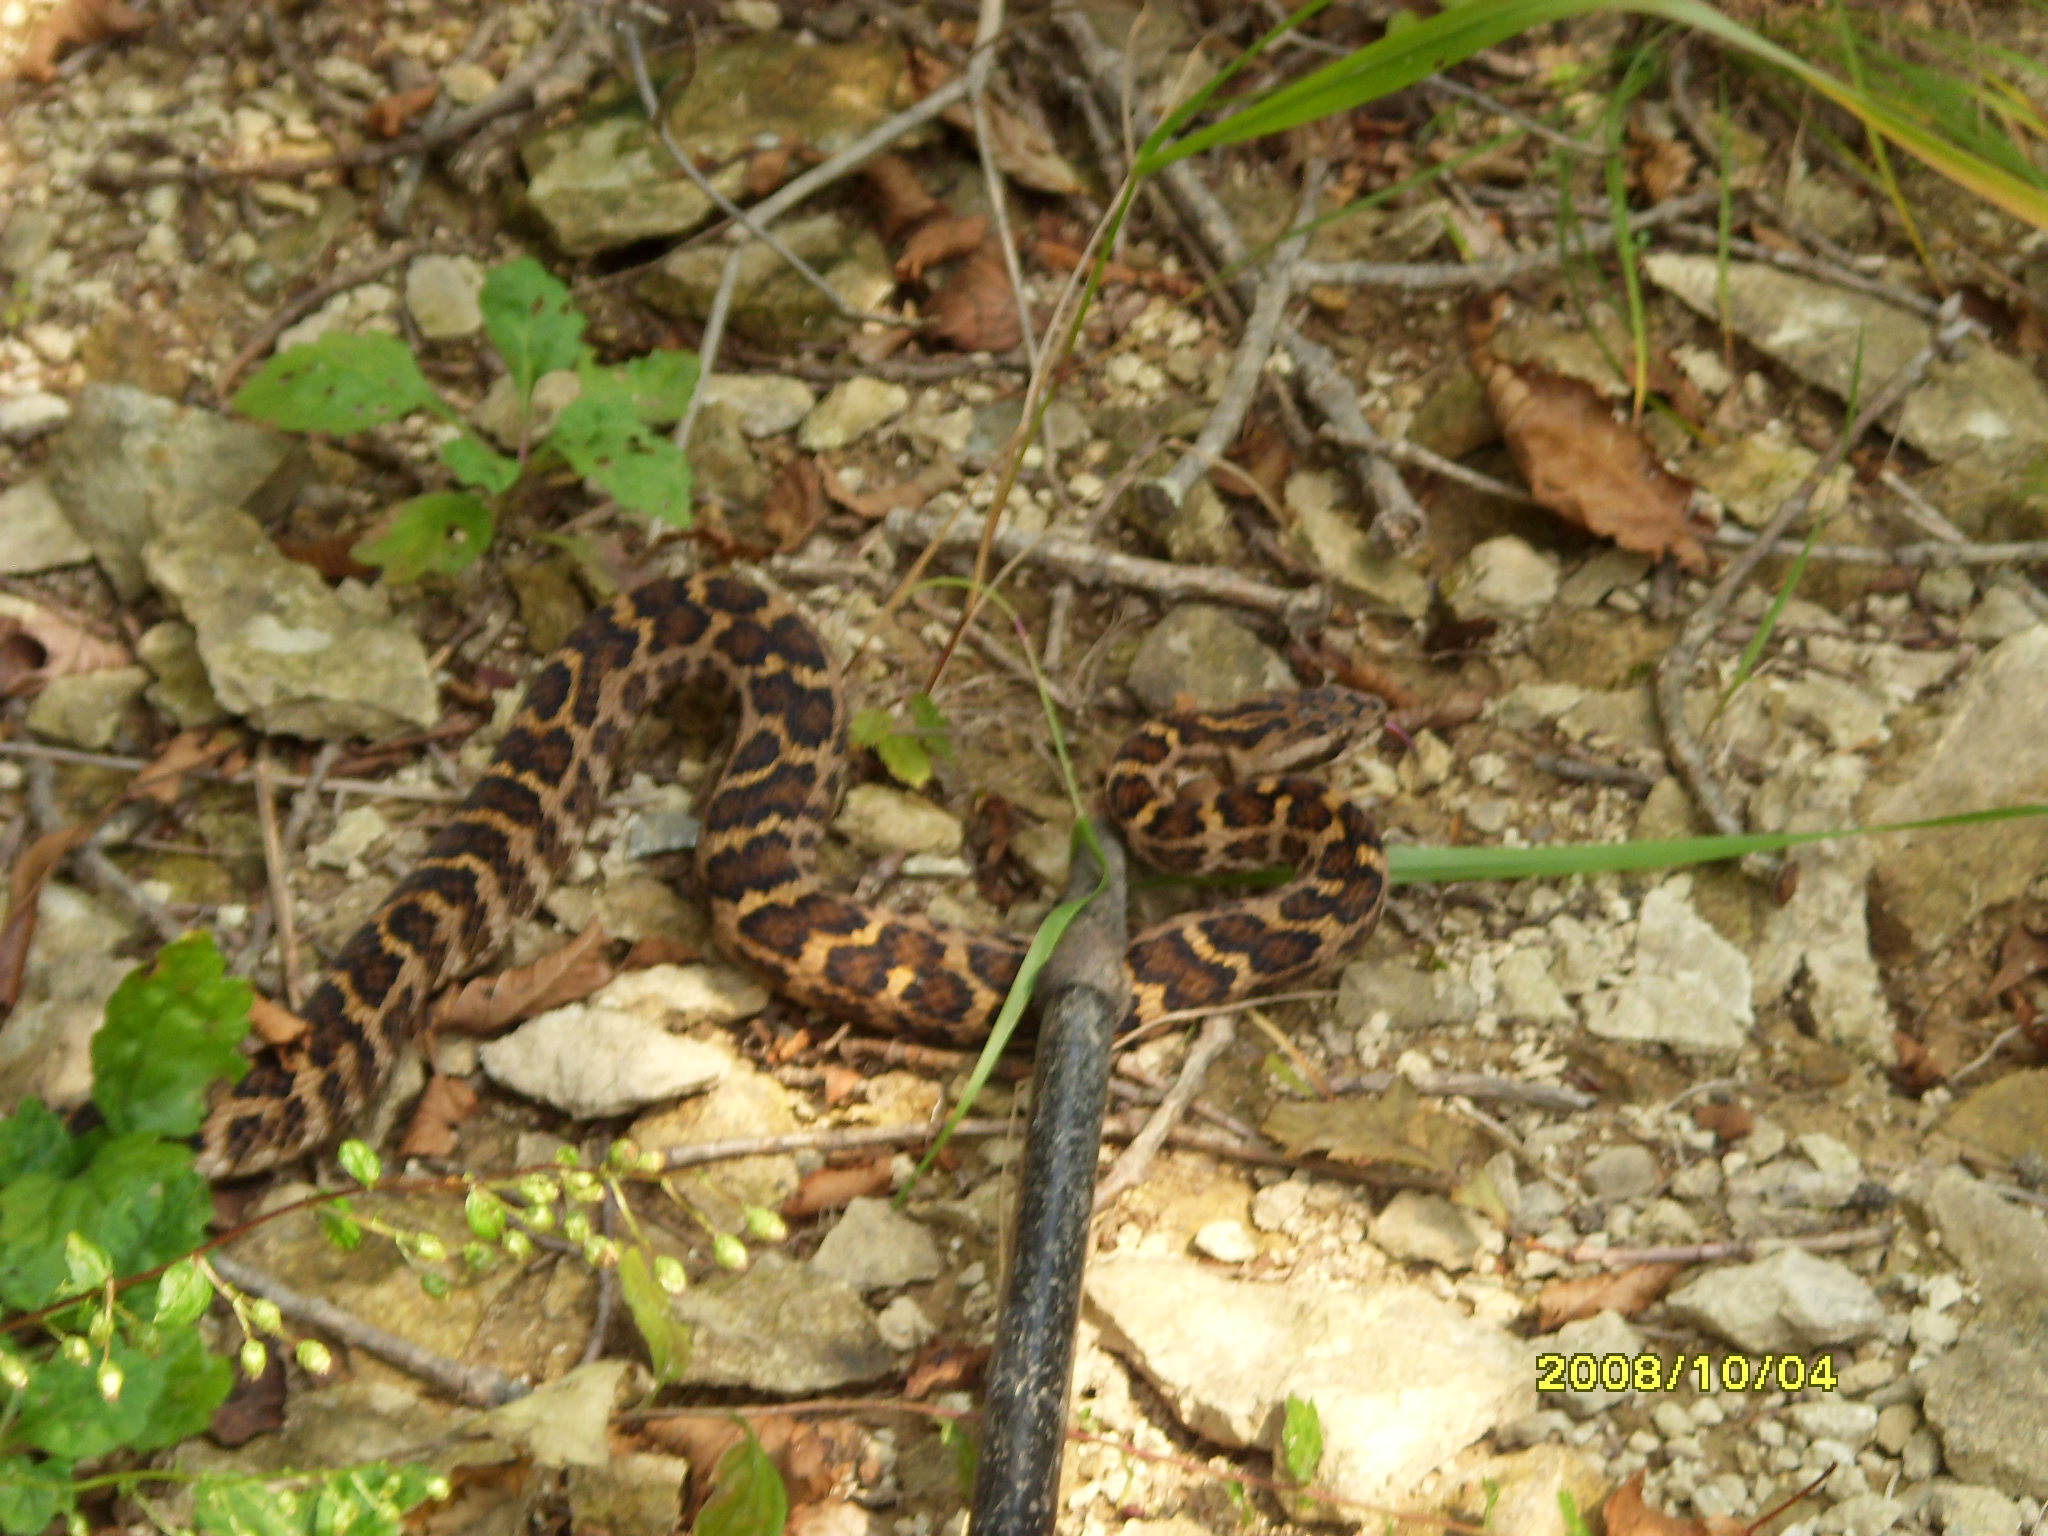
<point>1083,995</point>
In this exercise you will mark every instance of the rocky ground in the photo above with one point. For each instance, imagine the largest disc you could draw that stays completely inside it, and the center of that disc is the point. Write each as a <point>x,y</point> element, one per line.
<point>1731,1177</point>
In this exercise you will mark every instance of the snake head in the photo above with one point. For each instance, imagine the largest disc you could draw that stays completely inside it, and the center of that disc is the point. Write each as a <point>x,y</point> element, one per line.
<point>1313,725</point>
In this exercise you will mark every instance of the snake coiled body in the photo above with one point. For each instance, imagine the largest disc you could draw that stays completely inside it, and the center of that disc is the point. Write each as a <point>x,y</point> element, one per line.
<point>762,825</point>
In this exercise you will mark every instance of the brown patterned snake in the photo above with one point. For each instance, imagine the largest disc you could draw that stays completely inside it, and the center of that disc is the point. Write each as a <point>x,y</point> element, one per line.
<point>761,829</point>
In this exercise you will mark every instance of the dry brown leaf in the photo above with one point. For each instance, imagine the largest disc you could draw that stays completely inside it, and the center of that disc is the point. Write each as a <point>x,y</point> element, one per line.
<point>389,116</point>
<point>842,1084</point>
<point>44,643</point>
<point>827,1189</point>
<point>2023,956</point>
<point>1914,1067</point>
<point>1663,164</point>
<point>162,779</point>
<point>24,898</point>
<point>768,170</point>
<point>1022,151</point>
<point>72,24</point>
<point>941,474</point>
<point>794,505</point>
<point>1626,1291</point>
<point>444,1104</point>
<point>940,239</point>
<point>905,203</point>
<point>333,556</point>
<point>976,310</point>
<point>493,1003</point>
<point>945,1368</point>
<point>1393,1127</point>
<point>1586,466</point>
<point>1258,465</point>
<point>1626,1514</point>
<point>1730,1122</point>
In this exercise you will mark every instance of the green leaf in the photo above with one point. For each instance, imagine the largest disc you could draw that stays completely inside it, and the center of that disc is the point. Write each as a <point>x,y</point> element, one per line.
<point>908,760</point>
<point>34,1140</point>
<point>661,383</point>
<point>1301,1441</point>
<point>602,436</point>
<point>340,1226</point>
<point>360,1162</point>
<point>139,1201</point>
<point>747,1496</point>
<point>931,726</point>
<point>473,462</point>
<point>444,532</point>
<point>372,1499</point>
<point>33,1493</point>
<point>341,383</point>
<point>170,1034</point>
<point>532,321</point>
<point>667,1337</point>
<point>166,1396</point>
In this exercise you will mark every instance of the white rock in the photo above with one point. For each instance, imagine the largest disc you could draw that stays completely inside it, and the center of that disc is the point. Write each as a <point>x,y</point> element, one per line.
<point>854,408</point>
<point>1503,578</point>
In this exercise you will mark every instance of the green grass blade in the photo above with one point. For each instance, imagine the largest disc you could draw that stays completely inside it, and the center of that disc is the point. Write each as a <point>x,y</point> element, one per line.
<point>1404,57</point>
<point>1408,864</point>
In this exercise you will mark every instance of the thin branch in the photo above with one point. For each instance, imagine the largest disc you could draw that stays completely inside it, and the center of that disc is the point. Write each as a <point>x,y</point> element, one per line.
<point>1129,1168</point>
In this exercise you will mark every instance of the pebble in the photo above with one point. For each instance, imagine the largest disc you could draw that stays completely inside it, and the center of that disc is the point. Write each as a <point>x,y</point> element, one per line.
<point>1852,1424</point>
<point>1620,1173</point>
<point>1895,1426</point>
<point>31,414</point>
<point>1867,1514</point>
<point>1227,1242</point>
<point>853,408</point>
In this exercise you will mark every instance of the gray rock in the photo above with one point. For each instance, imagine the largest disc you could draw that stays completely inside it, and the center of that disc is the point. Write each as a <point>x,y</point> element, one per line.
<point>35,535</point>
<point>73,967</point>
<point>592,1060</point>
<point>2002,1246</point>
<point>780,1328</point>
<point>1401,1380</point>
<point>1789,1300</point>
<point>88,709</point>
<point>1528,990</point>
<point>1332,533</point>
<point>1979,404</point>
<point>32,414</point>
<point>1227,1242</point>
<point>765,404</point>
<point>882,819</point>
<point>1691,987</point>
<point>1984,1399</point>
<point>1987,753</point>
<point>1895,1425</point>
<point>1204,652</point>
<point>281,649</point>
<point>171,652</point>
<point>1970,1509</point>
<point>131,466</point>
<point>638,1493</point>
<point>1863,1514</point>
<point>1620,1173</point>
<point>874,1247</point>
<point>1411,998</point>
<point>849,412</point>
<point>441,292</point>
<point>2002,614</point>
<point>1503,578</point>
<point>772,303</point>
<point>1428,1229</point>
<point>607,181</point>
<point>1853,1424</point>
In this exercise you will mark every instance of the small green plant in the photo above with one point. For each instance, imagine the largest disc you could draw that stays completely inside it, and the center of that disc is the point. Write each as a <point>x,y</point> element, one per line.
<point>907,754</point>
<point>92,1364</point>
<point>747,1494</point>
<point>345,383</point>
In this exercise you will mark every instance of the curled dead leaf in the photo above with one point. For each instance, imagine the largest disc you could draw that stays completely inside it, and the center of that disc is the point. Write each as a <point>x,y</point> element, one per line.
<point>72,25</point>
<point>1588,467</point>
<point>794,505</point>
<point>444,1104</point>
<point>976,310</point>
<point>493,1003</point>
<point>389,116</point>
<point>940,239</point>
<point>1627,1291</point>
<point>39,643</point>
<point>827,1189</point>
<point>904,202</point>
